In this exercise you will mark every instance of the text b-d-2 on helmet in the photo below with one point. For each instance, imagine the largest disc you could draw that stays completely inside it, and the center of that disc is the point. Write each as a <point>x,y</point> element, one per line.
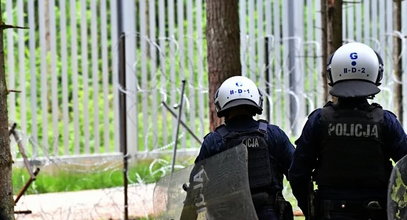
<point>355,70</point>
<point>238,91</point>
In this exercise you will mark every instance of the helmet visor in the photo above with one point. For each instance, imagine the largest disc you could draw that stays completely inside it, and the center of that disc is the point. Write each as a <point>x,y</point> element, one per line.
<point>354,88</point>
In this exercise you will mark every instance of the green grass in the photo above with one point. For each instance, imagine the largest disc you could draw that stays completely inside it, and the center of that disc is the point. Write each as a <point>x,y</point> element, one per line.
<point>62,178</point>
<point>74,178</point>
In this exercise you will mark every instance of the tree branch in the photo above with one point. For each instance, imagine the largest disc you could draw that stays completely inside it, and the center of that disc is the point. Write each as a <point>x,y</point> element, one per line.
<point>7,26</point>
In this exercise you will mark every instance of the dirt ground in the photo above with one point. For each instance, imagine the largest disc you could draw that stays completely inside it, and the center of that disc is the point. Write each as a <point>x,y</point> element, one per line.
<point>90,204</point>
<point>104,204</point>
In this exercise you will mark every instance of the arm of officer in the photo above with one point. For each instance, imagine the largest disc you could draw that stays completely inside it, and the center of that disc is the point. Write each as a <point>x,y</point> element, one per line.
<point>210,146</point>
<point>395,137</point>
<point>304,161</point>
<point>283,150</point>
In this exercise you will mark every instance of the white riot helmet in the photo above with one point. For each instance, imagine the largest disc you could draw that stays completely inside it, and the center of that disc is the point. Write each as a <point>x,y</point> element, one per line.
<point>238,91</point>
<point>355,70</point>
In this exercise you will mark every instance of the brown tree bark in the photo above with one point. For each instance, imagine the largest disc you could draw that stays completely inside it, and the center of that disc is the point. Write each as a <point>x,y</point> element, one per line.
<point>332,25</point>
<point>6,188</point>
<point>324,41</point>
<point>223,37</point>
<point>397,64</point>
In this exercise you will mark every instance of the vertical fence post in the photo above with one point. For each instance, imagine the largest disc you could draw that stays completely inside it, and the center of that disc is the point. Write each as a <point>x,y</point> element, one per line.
<point>122,113</point>
<point>122,102</point>
<point>397,61</point>
<point>267,76</point>
<point>295,78</point>
<point>128,13</point>
<point>292,67</point>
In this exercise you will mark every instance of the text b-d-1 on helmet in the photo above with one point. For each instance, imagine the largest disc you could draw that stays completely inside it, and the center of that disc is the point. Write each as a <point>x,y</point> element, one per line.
<point>355,70</point>
<point>238,91</point>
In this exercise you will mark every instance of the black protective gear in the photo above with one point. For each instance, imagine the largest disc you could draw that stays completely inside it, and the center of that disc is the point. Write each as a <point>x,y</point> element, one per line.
<point>352,134</point>
<point>260,172</point>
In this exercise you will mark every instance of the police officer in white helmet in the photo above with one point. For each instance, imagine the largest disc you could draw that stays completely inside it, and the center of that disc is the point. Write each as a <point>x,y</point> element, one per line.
<point>346,147</point>
<point>270,152</point>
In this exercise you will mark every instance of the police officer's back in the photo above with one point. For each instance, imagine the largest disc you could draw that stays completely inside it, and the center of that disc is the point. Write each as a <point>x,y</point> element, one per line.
<point>269,149</point>
<point>346,147</point>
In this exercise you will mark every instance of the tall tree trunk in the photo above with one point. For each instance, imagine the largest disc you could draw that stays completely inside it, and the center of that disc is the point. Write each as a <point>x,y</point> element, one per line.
<point>334,25</point>
<point>324,41</point>
<point>397,64</point>
<point>223,37</point>
<point>333,28</point>
<point>6,188</point>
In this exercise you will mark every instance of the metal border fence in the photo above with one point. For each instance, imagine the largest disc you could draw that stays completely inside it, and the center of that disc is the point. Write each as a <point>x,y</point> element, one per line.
<point>66,67</point>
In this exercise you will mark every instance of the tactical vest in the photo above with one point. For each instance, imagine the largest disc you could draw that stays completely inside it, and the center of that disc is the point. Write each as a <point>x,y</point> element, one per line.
<point>351,149</point>
<point>259,168</point>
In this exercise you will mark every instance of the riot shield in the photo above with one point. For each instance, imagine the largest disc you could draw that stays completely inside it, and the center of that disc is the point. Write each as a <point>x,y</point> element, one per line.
<point>169,195</point>
<point>219,188</point>
<point>397,197</point>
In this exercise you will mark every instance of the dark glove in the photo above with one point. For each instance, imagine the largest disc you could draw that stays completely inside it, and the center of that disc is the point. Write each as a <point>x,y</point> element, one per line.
<point>284,208</point>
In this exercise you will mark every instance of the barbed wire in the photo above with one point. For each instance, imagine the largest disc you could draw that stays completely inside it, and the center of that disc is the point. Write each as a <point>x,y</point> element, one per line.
<point>108,203</point>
